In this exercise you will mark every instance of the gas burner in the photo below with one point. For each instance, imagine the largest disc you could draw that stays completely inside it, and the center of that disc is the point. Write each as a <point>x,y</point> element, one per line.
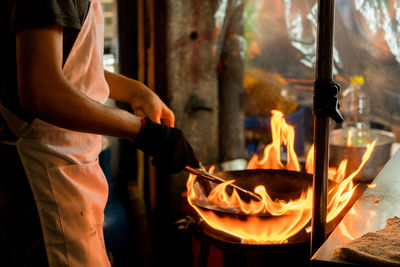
<point>235,253</point>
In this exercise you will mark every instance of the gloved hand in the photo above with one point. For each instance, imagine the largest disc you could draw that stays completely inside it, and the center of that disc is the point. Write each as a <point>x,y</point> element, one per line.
<point>168,146</point>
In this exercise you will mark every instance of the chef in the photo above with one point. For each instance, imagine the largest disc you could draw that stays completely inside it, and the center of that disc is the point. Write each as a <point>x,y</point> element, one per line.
<point>52,116</point>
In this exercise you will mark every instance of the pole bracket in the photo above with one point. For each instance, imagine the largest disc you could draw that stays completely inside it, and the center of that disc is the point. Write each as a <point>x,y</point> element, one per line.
<point>325,100</point>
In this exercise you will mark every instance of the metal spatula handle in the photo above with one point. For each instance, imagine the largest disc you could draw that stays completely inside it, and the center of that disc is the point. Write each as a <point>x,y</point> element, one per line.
<point>208,176</point>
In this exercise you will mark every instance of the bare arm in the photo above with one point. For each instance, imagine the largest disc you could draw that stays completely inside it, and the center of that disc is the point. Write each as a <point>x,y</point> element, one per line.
<point>46,94</point>
<point>140,97</point>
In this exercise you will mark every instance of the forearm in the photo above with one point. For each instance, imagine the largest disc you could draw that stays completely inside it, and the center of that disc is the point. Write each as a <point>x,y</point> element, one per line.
<point>69,108</point>
<point>122,88</point>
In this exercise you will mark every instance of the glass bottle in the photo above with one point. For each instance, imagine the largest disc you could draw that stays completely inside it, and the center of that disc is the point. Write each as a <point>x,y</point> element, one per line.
<point>355,105</point>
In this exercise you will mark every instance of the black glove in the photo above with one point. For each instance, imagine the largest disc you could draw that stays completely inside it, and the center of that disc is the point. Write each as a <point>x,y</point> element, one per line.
<point>168,146</point>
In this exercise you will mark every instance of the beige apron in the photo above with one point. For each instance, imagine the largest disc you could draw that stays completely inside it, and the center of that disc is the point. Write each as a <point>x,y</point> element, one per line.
<point>62,167</point>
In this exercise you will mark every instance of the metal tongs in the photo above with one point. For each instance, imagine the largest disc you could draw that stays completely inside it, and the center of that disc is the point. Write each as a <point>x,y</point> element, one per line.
<point>201,172</point>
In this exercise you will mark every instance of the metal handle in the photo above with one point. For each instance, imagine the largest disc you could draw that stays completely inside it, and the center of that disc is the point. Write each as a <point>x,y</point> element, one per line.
<point>208,176</point>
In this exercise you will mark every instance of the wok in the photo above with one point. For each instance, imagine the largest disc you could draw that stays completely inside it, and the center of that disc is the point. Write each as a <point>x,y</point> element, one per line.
<point>280,184</point>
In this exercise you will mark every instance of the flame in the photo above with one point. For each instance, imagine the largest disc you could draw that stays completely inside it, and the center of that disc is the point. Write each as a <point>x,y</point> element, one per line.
<point>282,134</point>
<point>271,221</point>
<point>349,134</point>
<point>310,160</point>
<point>340,195</point>
<point>282,219</point>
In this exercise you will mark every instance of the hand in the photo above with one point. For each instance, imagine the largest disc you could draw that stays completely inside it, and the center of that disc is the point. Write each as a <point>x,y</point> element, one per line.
<point>140,97</point>
<point>168,146</point>
<point>152,106</point>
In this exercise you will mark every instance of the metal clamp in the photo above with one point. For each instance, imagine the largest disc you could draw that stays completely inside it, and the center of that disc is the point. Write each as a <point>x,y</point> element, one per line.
<point>325,100</point>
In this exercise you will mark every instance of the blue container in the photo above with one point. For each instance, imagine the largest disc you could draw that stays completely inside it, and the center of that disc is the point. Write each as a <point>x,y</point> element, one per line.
<point>295,119</point>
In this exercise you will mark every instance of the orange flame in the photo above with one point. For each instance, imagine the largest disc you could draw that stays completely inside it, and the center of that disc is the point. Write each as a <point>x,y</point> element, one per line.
<point>349,135</point>
<point>310,160</point>
<point>282,134</point>
<point>279,219</point>
<point>340,195</point>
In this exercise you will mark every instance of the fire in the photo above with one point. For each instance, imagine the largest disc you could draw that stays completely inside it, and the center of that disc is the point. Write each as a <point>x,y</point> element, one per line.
<point>282,134</point>
<point>340,195</point>
<point>282,218</point>
<point>310,160</point>
<point>349,134</point>
<point>272,221</point>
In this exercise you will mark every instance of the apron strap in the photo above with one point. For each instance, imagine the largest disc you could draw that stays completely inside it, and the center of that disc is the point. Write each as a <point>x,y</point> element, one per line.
<point>16,125</point>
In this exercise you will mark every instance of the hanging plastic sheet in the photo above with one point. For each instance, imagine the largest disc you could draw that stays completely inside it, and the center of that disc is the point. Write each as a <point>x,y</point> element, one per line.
<point>281,39</point>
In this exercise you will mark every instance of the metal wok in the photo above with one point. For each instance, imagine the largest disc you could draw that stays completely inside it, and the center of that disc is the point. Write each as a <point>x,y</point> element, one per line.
<point>280,184</point>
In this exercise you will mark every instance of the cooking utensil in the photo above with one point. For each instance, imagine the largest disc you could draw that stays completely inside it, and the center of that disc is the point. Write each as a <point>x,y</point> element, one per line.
<point>280,184</point>
<point>202,173</point>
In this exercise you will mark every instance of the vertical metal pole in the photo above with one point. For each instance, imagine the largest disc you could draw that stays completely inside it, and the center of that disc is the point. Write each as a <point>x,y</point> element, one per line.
<point>321,124</point>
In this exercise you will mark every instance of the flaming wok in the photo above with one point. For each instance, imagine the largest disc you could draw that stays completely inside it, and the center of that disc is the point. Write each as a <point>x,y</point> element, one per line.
<point>285,209</point>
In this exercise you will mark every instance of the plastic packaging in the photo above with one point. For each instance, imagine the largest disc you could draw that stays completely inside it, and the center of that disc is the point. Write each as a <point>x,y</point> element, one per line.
<point>281,40</point>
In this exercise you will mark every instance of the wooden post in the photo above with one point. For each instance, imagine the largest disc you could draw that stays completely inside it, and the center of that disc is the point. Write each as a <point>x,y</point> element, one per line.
<point>231,91</point>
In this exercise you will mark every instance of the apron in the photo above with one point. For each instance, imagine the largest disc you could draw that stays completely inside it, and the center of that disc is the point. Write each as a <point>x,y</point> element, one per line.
<point>68,185</point>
